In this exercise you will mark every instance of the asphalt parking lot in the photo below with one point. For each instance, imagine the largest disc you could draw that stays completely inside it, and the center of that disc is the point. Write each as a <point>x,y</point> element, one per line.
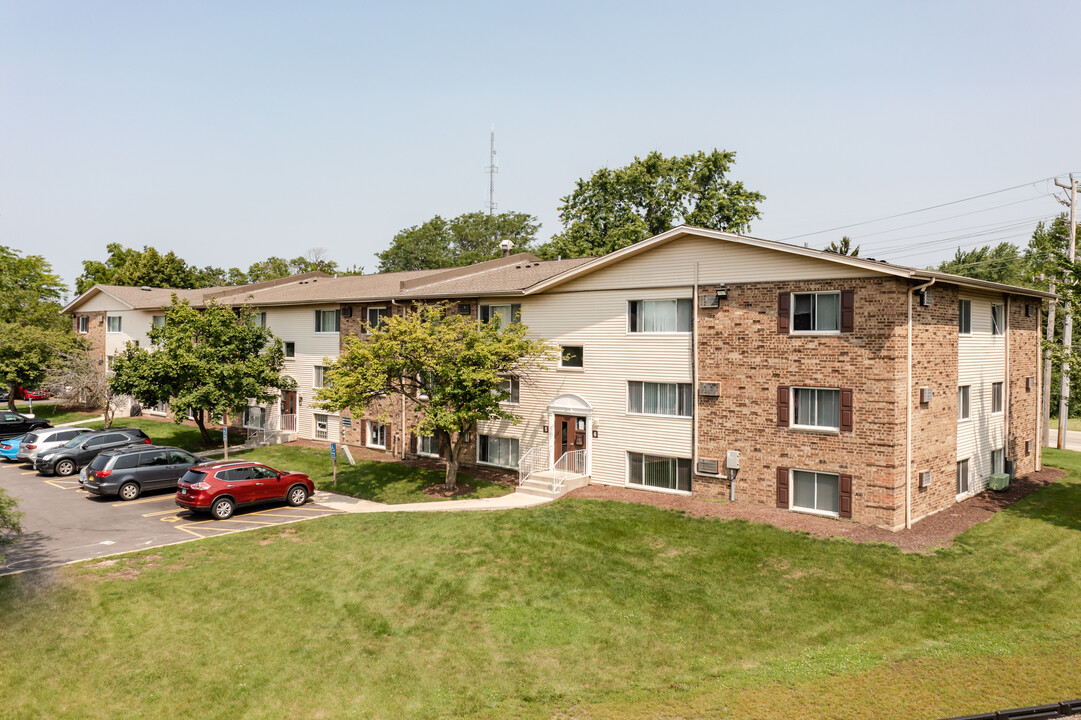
<point>63,523</point>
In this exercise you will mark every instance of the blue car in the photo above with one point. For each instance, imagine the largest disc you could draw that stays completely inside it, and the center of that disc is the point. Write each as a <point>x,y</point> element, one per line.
<point>9,447</point>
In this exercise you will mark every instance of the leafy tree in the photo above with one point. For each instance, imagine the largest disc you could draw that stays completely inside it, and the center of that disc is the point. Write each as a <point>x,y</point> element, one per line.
<point>464,240</point>
<point>844,247</point>
<point>275,267</point>
<point>212,360</point>
<point>449,366</point>
<point>80,381</point>
<point>10,518</point>
<point>617,208</point>
<point>32,330</point>
<point>1000,263</point>
<point>128,266</point>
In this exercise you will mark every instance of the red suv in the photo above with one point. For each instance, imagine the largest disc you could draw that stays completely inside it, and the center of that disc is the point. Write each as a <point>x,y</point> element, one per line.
<point>221,487</point>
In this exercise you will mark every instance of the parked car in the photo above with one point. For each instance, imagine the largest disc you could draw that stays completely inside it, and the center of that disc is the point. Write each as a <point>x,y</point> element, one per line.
<point>24,394</point>
<point>13,423</point>
<point>39,441</point>
<point>10,447</point>
<point>129,471</point>
<point>4,395</point>
<point>77,453</point>
<point>221,487</point>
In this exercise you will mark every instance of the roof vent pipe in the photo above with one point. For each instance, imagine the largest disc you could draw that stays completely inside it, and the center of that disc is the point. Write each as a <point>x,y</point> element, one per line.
<point>506,245</point>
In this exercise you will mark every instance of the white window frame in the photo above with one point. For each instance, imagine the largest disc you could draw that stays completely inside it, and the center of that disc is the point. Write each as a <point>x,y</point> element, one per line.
<point>792,313</point>
<point>998,397</point>
<point>964,316</point>
<point>811,511</point>
<point>321,433</point>
<point>372,435</point>
<point>109,322</point>
<point>998,460</point>
<point>642,401</point>
<point>653,488</point>
<point>381,311</point>
<point>964,402</point>
<point>998,319</point>
<point>639,314</point>
<point>966,465</point>
<point>512,385</point>
<point>161,408</point>
<point>285,349</point>
<point>488,441</point>
<point>154,321</point>
<point>83,324</point>
<point>818,428</point>
<point>433,442</point>
<point>575,368</point>
<point>318,376</point>
<point>501,308</point>
<point>337,322</point>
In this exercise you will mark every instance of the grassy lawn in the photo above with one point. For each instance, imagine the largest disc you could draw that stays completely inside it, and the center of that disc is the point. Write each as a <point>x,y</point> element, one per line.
<point>1071,424</point>
<point>167,433</point>
<point>579,609</point>
<point>55,412</point>
<point>384,482</point>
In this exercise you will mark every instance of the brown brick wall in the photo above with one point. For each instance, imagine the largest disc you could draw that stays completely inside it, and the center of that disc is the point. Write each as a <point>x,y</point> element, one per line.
<point>934,424</point>
<point>740,348</point>
<point>1023,402</point>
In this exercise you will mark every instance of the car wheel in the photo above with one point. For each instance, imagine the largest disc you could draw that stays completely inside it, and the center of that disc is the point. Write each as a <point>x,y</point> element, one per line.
<point>298,495</point>
<point>129,491</point>
<point>222,509</point>
<point>65,468</point>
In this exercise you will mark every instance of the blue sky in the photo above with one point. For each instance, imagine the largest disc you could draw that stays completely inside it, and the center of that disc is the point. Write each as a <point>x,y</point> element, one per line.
<point>230,131</point>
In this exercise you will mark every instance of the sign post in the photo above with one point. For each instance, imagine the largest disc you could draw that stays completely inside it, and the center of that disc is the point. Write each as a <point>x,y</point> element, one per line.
<point>334,461</point>
<point>225,434</point>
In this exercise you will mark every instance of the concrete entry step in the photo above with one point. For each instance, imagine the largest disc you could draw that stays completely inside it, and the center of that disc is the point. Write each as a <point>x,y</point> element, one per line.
<point>539,484</point>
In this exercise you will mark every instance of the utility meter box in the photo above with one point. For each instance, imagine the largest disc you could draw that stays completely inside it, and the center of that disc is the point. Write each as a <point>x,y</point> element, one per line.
<point>731,460</point>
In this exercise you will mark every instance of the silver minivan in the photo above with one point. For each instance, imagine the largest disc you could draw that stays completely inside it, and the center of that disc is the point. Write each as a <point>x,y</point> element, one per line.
<point>47,439</point>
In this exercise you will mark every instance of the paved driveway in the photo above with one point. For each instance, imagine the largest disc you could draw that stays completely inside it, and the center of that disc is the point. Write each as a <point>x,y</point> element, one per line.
<point>62,523</point>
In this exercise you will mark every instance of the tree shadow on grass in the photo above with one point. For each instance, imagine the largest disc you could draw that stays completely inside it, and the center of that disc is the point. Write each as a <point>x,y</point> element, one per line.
<point>1057,504</point>
<point>395,483</point>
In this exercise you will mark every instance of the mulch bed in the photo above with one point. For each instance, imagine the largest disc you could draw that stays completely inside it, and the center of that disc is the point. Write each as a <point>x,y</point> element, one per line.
<point>936,531</point>
<point>439,490</point>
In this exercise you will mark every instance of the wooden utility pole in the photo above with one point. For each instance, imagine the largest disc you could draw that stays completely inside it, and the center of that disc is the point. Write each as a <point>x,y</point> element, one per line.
<point>1067,322</point>
<point>1045,405</point>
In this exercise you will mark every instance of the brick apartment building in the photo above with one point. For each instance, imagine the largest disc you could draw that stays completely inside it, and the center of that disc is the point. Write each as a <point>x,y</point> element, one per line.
<point>840,386</point>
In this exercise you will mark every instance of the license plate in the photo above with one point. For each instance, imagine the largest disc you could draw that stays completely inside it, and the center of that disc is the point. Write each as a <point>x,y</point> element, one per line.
<point>183,491</point>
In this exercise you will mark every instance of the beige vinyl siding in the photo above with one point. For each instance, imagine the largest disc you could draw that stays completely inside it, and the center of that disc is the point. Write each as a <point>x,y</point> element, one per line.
<point>612,356</point>
<point>981,362</point>
<point>718,261</point>
<point>134,325</point>
<point>297,325</point>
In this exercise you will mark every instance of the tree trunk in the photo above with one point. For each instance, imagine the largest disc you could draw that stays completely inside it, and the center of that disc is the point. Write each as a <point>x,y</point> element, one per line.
<point>107,413</point>
<point>202,427</point>
<point>11,399</point>
<point>451,451</point>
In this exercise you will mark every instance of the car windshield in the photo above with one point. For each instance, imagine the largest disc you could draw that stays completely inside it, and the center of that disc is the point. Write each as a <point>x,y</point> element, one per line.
<point>75,441</point>
<point>193,476</point>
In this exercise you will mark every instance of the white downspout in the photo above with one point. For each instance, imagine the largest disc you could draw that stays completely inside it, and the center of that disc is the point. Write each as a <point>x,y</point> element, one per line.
<point>1006,393</point>
<point>908,407</point>
<point>694,375</point>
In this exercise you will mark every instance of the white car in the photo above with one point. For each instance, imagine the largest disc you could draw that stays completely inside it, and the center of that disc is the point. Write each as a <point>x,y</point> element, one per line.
<point>39,440</point>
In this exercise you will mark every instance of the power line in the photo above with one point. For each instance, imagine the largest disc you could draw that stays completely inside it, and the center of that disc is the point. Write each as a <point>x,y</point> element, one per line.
<point>951,217</point>
<point>913,212</point>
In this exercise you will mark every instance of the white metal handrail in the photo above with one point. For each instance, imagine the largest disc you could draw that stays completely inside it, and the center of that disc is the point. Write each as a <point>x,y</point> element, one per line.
<point>571,464</point>
<point>535,460</point>
<point>289,423</point>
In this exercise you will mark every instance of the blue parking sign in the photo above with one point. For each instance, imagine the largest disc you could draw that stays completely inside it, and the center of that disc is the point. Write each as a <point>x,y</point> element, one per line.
<point>333,451</point>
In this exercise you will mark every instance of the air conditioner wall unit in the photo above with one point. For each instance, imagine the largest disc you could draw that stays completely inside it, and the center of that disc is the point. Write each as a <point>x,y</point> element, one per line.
<point>925,297</point>
<point>926,394</point>
<point>925,479</point>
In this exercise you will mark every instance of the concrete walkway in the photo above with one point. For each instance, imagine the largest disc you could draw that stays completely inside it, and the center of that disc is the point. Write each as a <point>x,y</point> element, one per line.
<point>344,503</point>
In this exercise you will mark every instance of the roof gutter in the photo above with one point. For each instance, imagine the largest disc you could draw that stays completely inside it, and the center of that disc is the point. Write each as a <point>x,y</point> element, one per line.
<point>910,296</point>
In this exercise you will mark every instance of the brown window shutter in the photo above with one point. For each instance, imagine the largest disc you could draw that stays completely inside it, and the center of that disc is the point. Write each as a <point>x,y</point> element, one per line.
<point>846,410</point>
<point>782,487</point>
<point>846,496</point>
<point>784,312</point>
<point>848,311</point>
<point>783,396</point>
<point>413,443</point>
